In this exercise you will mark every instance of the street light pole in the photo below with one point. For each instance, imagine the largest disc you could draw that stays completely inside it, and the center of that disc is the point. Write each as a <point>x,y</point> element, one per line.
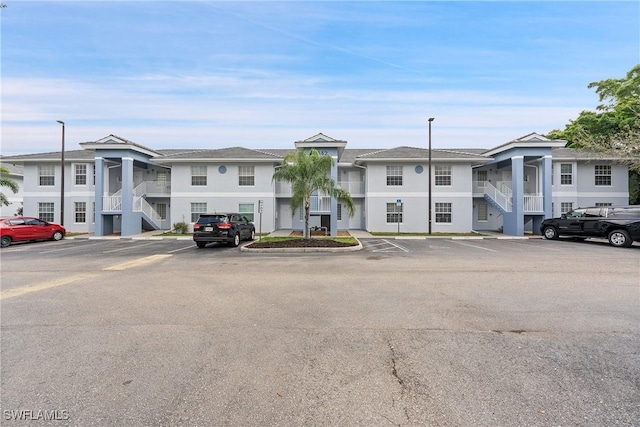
<point>430,120</point>
<point>62,177</point>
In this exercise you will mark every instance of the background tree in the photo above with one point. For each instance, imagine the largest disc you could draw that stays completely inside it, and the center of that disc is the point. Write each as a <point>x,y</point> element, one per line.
<point>308,172</point>
<point>5,181</point>
<point>613,130</point>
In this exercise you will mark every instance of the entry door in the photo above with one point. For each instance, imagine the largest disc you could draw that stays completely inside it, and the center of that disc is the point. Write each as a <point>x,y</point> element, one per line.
<point>284,216</point>
<point>355,222</point>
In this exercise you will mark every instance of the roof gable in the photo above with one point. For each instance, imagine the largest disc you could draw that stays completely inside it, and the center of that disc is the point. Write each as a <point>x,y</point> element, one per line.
<point>532,137</point>
<point>114,142</point>
<point>321,138</point>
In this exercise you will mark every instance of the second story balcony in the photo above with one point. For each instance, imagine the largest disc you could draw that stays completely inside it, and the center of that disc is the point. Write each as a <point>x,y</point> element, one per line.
<point>355,188</point>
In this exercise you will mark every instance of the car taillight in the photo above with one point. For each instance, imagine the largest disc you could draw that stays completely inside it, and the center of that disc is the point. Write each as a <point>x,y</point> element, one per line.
<point>196,227</point>
<point>224,225</point>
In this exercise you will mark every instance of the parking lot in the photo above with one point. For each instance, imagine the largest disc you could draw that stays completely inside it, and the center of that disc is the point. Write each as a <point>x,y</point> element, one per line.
<point>403,332</point>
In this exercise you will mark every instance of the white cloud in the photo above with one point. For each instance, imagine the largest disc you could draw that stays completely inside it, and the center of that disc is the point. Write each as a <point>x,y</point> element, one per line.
<point>273,116</point>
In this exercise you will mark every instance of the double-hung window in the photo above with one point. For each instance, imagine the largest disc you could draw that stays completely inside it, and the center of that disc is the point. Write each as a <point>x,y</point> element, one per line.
<point>442,175</point>
<point>566,207</point>
<point>246,176</point>
<point>603,175</point>
<point>45,211</point>
<point>197,209</point>
<point>394,213</point>
<point>198,176</point>
<point>246,209</point>
<point>483,211</point>
<point>80,212</point>
<point>394,176</point>
<point>46,176</point>
<point>161,209</point>
<point>80,174</point>
<point>162,180</point>
<point>566,174</point>
<point>443,213</point>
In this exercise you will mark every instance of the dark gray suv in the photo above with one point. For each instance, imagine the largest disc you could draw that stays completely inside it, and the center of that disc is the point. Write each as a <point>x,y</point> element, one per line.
<point>228,228</point>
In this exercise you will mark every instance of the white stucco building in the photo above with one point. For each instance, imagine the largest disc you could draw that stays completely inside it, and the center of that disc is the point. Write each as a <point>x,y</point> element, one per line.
<point>114,185</point>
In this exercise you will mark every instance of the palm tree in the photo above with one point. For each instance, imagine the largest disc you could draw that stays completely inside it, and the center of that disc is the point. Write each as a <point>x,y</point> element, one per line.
<point>5,181</point>
<point>308,172</point>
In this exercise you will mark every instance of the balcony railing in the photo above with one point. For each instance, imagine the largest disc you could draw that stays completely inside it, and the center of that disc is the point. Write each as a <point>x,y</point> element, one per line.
<point>502,195</point>
<point>152,188</point>
<point>355,188</point>
<point>320,204</point>
<point>533,203</point>
<point>283,189</point>
<point>112,203</point>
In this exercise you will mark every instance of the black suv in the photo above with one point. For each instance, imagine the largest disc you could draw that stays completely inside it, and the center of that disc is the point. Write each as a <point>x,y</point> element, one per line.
<point>227,228</point>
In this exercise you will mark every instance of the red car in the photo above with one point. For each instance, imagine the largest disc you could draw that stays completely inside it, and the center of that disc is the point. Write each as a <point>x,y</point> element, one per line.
<point>25,228</point>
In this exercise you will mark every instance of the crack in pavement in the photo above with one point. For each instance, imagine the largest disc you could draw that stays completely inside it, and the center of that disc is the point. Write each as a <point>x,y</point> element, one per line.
<point>396,376</point>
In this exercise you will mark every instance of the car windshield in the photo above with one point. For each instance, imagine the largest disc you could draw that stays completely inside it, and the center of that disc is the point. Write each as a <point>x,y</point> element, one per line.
<point>211,219</point>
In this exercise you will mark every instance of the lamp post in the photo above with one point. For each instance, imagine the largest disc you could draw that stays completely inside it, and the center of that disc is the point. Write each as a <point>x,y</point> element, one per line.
<point>429,201</point>
<point>62,176</point>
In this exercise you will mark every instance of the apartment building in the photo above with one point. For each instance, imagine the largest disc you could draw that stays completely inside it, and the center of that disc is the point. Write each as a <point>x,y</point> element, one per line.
<point>114,185</point>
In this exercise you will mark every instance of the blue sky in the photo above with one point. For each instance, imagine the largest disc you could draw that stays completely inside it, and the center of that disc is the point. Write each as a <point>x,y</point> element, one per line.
<point>197,74</point>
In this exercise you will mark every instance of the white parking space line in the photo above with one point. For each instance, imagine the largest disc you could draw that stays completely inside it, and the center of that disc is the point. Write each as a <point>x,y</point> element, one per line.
<point>385,247</point>
<point>129,248</point>
<point>182,249</point>
<point>374,245</point>
<point>474,246</point>
<point>70,246</point>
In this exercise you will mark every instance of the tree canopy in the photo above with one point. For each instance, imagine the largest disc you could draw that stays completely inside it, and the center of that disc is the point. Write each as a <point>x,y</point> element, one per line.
<point>308,173</point>
<point>6,181</point>
<point>613,130</point>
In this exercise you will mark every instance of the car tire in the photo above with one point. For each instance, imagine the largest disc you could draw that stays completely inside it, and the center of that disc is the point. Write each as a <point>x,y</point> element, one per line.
<point>550,233</point>
<point>201,244</point>
<point>236,240</point>
<point>620,239</point>
<point>252,235</point>
<point>57,236</point>
<point>5,241</point>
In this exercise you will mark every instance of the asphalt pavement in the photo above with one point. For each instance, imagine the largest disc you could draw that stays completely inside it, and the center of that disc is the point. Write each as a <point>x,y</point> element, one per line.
<point>404,332</point>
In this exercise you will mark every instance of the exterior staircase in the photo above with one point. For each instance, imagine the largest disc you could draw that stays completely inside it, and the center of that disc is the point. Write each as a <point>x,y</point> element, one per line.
<point>150,216</point>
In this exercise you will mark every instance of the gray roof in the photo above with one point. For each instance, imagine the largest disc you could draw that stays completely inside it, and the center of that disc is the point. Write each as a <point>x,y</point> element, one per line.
<point>402,153</point>
<point>277,154</point>
<point>13,169</point>
<point>69,155</point>
<point>239,153</point>
<point>581,154</point>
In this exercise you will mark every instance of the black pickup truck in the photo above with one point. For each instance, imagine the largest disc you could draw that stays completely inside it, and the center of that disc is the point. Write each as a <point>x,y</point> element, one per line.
<point>619,224</point>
